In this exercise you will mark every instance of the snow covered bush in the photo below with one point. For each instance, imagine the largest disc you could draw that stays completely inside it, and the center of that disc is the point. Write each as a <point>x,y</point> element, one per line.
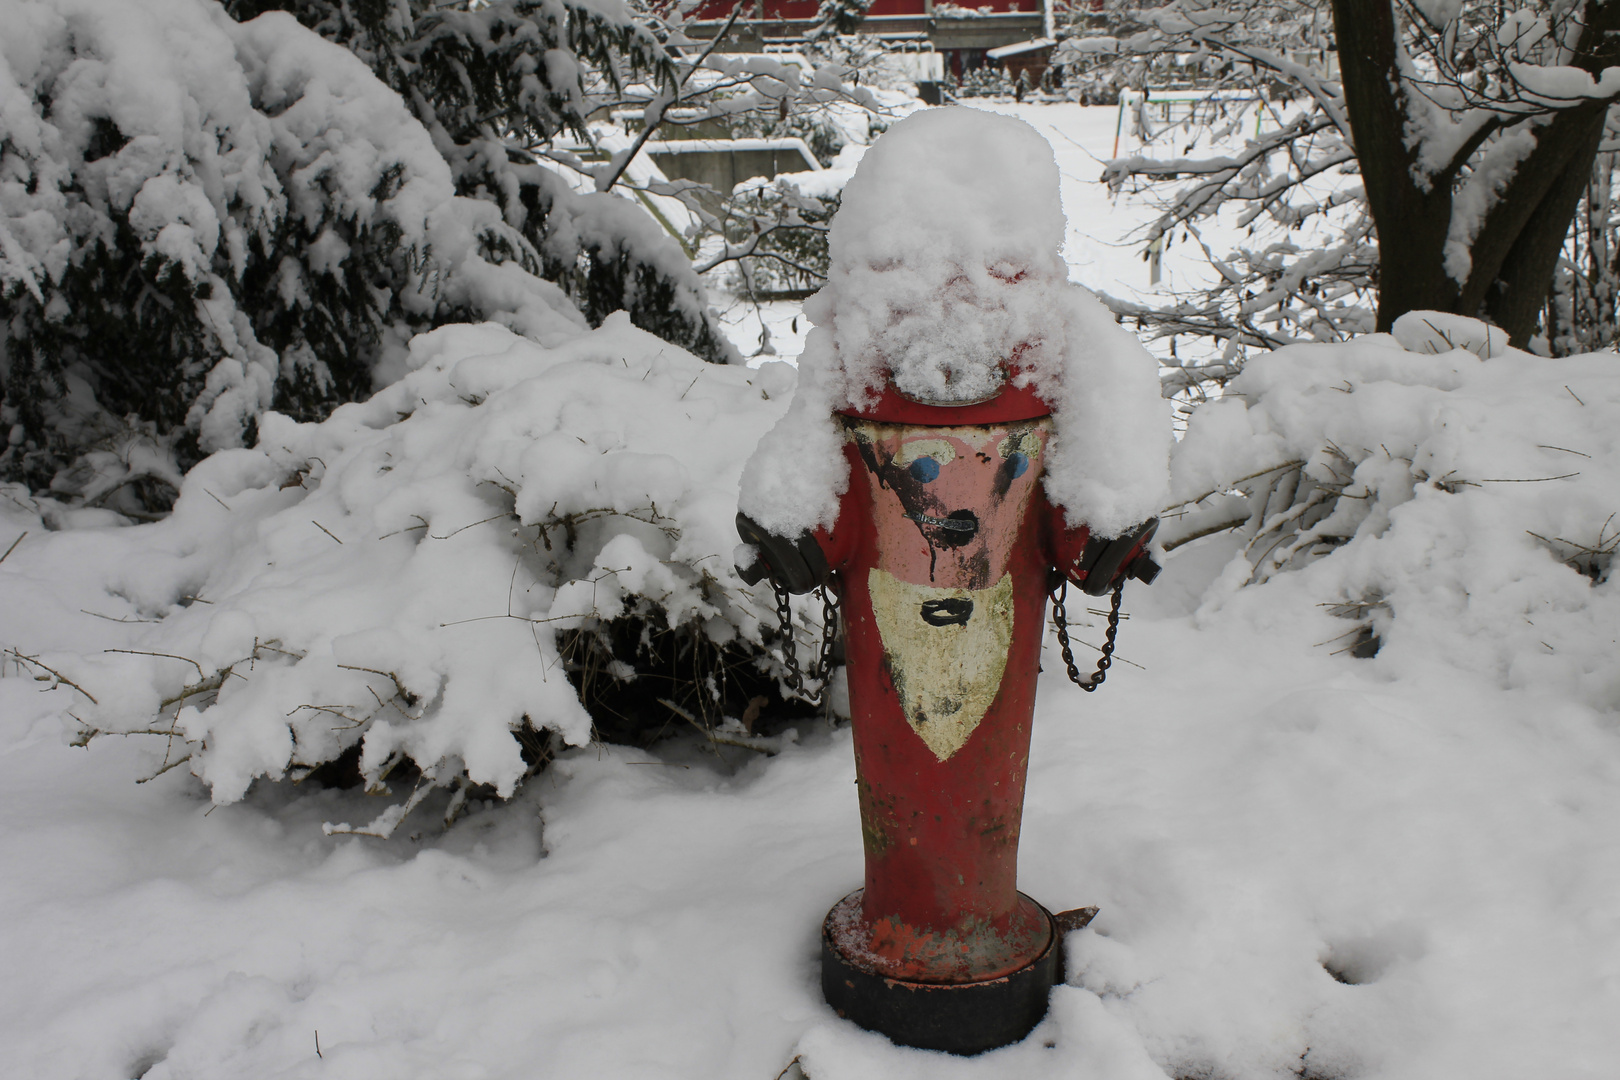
<point>789,254</point>
<point>200,219</point>
<point>416,586</point>
<point>1457,499</point>
<point>496,83</point>
<point>775,230</point>
<point>986,80</point>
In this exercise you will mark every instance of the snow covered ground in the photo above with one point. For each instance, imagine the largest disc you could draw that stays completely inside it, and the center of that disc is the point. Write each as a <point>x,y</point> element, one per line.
<point>1308,865</point>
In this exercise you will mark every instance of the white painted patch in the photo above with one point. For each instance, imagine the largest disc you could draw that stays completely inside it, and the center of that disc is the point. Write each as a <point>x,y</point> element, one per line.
<point>946,676</point>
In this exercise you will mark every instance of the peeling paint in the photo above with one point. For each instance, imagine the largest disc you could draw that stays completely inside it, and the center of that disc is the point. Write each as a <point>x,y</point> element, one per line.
<point>878,822</point>
<point>974,948</point>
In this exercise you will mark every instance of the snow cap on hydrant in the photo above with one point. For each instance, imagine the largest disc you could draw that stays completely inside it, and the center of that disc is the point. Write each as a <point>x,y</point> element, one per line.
<point>948,302</point>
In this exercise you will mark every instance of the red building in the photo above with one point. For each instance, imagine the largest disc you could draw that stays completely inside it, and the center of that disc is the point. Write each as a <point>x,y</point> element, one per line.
<point>963,34</point>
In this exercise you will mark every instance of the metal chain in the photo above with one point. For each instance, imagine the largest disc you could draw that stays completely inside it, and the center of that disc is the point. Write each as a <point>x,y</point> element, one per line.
<point>822,667</point>
<point>1060,617</point>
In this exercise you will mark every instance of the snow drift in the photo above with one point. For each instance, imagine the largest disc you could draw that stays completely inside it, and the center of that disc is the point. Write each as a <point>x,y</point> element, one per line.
<point>396,577</point>
<point>1460,506</point>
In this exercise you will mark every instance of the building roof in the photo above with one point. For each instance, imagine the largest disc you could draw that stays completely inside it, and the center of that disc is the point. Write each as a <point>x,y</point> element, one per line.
<point>1020,47</point>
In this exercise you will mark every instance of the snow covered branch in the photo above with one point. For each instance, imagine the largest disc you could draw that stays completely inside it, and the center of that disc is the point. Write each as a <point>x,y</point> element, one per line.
<point>1473,127</point>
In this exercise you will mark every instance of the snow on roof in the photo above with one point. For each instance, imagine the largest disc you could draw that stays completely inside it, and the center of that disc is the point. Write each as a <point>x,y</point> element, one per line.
<point>716,146</point>
<point>821,184</point>
<point>1020,47</point>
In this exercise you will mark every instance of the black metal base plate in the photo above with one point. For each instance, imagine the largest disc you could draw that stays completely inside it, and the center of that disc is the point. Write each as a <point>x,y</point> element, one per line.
<point>959,1018</point>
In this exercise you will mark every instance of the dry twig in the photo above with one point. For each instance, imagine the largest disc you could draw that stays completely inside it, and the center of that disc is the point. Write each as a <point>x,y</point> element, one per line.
<point>57,675</point>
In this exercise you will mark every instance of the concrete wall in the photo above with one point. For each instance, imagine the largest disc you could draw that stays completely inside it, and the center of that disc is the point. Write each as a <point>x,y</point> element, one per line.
<point>724,169</point>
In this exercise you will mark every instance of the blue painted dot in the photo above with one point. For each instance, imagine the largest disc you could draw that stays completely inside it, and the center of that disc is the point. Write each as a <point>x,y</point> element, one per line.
<point>925,470</point>
<point>1018,463</point>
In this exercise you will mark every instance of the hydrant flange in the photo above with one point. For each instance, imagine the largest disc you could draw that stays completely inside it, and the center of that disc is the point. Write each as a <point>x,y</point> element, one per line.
<point>958,1018</point>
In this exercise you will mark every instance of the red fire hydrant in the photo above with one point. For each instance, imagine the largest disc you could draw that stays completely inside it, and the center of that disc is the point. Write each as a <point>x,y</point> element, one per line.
<point>943,554</point>
<point>943,550</point>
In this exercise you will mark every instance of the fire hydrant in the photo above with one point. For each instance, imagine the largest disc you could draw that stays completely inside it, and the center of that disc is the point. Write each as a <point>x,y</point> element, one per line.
<point>943,554</point>
<point>943,550</point>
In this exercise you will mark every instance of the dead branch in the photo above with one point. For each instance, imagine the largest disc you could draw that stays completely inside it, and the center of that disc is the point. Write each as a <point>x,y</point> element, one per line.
<point>767,745</point>
<point>53,673</point>
<point>111,618</point>
<point>13,546</point>
<point>399,687</point>
<point>209,685</point>
<point>164,769</point>
<point>167,656</point>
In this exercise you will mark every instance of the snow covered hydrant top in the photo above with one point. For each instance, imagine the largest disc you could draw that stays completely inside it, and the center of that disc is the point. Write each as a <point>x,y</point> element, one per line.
<point>948,302</point>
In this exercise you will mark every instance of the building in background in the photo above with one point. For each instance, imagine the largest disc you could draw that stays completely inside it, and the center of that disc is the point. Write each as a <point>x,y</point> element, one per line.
<point>1025,62</point>
<point>962,35</point>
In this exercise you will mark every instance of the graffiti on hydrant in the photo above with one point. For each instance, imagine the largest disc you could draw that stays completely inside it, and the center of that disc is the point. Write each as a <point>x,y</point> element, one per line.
<point>948,503</point>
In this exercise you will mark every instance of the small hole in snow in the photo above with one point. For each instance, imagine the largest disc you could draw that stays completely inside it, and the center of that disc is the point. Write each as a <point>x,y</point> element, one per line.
<point>1361,960</point>
<point>1366,645</point>
<point>1339,974</point>
<point>147,1062</point>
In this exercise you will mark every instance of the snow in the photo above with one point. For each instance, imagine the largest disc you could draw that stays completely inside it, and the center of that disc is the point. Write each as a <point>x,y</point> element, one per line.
<point>1019,47</point>
<point>259,133</point>
<point>946,278</point>
<point>1245,809</point>
<point>394,576</point>
<point>1439,332</point>
<point>1557,84</point>
<point>1439,12</point>
<point>1479,498</point>
<point>818,184</point>
<point>1482,187</point>
<point>709,146</point>
<point>1252,808</point>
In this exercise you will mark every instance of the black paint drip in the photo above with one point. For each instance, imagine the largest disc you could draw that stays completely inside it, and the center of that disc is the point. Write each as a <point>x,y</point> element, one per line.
<point>952,611</point>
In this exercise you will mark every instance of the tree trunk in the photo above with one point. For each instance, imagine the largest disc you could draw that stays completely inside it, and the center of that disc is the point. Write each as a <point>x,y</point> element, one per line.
<point>1516,248</point>
<point>1517,291</point>
<point>1412,223</point>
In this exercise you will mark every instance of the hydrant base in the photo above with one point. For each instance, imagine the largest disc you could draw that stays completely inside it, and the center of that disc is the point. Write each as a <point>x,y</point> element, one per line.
<point>958,1018</point>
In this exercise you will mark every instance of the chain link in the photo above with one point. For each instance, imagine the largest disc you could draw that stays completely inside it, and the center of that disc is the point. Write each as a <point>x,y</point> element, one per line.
<point>1060,617</point>
<point>822,668</point>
